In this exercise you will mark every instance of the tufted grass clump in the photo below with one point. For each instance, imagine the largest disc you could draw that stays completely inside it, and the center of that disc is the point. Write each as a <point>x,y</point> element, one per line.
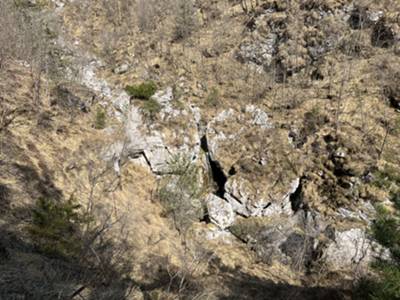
<point>100,119</point>
<point>213,97</point>
<point>151,108</point>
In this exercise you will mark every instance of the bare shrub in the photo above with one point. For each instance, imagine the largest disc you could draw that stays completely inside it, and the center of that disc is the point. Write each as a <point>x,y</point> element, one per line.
<point>382,35</point>
<point>146,14</point>
<point>185,21</point>
<point>12,32</point>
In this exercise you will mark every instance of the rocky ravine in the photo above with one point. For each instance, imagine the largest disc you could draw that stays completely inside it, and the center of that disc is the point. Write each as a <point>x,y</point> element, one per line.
<point>249,186</point>
<point>256,167</point>
<point>286,173</point>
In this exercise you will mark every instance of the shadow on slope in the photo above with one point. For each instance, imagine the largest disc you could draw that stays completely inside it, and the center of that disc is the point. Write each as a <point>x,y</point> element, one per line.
<point>244,286</point>
<point>228,284</point>
<point>27,273</point>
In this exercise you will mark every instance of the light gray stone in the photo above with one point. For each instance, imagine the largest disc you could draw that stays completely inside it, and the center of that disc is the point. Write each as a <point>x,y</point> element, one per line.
<point>258,50</point>
<point>164,97</point>
<point>121,69</point>
<point>220,211</point>
<point>259,117</point>
<point>351,249</point>
<point>245,202</point>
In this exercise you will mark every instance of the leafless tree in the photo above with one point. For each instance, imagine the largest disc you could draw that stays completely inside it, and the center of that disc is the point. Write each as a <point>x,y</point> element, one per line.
<point>185,21</point>
<point>194,260</point>
<point>12,34</point>
<point>146,14</point>
<point>23,37</point>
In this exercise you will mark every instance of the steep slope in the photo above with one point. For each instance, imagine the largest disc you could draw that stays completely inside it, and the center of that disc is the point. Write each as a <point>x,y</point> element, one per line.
<point>254,170</point>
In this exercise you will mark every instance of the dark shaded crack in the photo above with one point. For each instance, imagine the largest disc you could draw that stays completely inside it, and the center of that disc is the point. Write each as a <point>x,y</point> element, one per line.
<point>296,198</point>
<point>138,154</point>
<point>267,205</point>
<point>146,159</point>
<point>215,168</point>
<point>206,219</point>
<point>232,171</point>
<point>237,236</point>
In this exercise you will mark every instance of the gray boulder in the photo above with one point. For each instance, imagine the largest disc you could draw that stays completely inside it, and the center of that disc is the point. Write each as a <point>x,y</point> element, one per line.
<point>220,211</point>
<point>350,250</point>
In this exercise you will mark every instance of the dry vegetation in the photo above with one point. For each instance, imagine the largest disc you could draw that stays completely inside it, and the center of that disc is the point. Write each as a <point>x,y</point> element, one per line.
<point>332,85</point>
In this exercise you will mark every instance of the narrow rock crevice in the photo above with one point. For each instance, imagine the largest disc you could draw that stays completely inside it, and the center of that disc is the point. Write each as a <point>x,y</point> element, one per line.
<point>206,219</point>
<point>215,168</point>
<point>143,154</point>
<point>296,198</point>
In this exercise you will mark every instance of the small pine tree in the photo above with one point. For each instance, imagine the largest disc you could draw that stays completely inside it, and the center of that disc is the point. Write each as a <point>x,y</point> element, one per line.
<point>56,227</point>
<point>386,231</point>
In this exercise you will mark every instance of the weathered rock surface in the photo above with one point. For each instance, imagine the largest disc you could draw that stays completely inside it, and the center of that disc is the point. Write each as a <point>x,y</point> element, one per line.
<point>285,240</point>
<point>151,146</point>
<point>165,98</point>
<point>258,50</point>
<point>350,249</point>
<point>73,96</point>
<point>121,69</point>
<point>304,241</point>
<point>220,211</point>
<point>242,144</point>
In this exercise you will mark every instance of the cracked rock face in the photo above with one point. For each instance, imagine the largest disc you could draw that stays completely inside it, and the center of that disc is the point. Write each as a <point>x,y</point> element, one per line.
<point>258,158</point>
<point>157,143</point>
<point>245,203</point>
<point>351,249</point>
<point>283,240</point>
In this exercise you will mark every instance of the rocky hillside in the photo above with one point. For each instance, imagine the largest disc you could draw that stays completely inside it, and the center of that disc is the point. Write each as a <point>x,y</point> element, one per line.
<point>196,149</point>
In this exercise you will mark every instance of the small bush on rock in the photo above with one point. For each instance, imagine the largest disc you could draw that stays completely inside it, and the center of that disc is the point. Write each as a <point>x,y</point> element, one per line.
<point>143,91</point>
